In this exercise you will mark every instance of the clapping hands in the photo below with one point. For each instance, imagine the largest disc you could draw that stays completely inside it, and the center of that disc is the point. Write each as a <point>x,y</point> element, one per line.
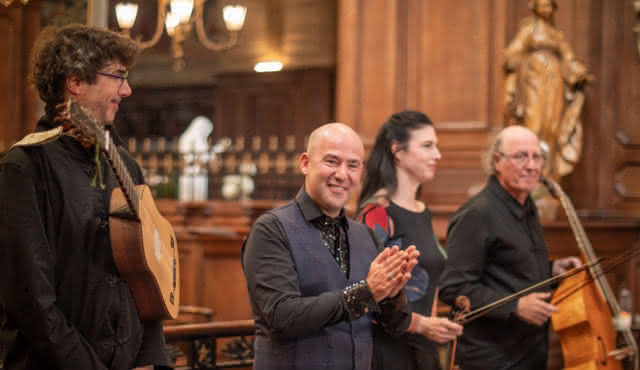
<point>391,270</point>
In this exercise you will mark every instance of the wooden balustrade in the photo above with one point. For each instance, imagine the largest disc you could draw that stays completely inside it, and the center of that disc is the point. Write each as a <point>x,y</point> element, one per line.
<point>197,344</point>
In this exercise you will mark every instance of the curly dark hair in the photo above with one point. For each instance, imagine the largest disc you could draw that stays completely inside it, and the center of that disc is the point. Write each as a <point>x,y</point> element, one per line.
<point>75,50</point>
<point>381,167</point>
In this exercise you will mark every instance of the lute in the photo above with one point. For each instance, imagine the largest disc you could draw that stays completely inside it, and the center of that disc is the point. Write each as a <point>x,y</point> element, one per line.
<point>143,242</point>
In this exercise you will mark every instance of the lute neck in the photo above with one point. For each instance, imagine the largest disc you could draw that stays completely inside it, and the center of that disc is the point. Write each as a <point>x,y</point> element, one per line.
<point>110,150</point>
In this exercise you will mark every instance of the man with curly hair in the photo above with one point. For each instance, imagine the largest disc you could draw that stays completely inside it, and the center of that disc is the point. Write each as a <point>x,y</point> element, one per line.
<point>63,304</point>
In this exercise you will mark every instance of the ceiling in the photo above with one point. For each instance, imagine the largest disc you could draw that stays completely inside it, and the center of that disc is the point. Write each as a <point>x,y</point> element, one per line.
<point>301,33</point>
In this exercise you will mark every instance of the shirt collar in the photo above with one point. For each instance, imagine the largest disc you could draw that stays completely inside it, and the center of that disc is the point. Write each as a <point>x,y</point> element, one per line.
<point>517,209</point>
<point>311,211</point>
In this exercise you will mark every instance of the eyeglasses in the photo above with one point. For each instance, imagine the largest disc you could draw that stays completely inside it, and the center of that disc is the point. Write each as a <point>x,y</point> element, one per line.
<point>122,78</point>
<point>521,158</point>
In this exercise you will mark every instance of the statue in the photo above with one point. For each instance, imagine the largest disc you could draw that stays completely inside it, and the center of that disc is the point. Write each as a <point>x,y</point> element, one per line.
<point>194,149</point>
<point>544,88</point>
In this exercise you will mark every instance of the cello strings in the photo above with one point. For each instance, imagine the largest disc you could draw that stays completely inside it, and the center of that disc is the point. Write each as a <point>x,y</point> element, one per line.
<point>608,268</point>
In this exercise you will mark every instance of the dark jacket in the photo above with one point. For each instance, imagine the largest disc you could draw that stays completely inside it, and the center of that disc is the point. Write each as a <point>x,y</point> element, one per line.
<point>60,290</point>
<point>496,248</point>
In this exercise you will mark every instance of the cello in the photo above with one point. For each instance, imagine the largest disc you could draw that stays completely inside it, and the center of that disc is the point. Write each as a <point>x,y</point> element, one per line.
<point>587,307</point>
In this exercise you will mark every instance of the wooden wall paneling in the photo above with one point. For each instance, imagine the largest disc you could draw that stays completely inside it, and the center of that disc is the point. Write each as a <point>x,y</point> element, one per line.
<point>8,113</point>
<point>414,37</point>
<point>281,103</point>
<point>19,26</point>
<point>226,289</point>
<point>440,57</point>
<point>368,63</point>
<point>378,38</point>
<point>211,274</point>
<point>459,69</point>
<point>626,128</point>
<point>498,42</point>
<point>455,60</point>
<point>348,62</point>
<point>460,172</point>
<point>582,25</point>
<point>191,255</point>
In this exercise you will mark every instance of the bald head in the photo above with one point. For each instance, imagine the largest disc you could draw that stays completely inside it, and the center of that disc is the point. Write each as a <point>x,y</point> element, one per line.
<point>517,161</point>
<point>512,134</point>
<point>503,141</point>
<point>332,166</point>
<point>332,132</point>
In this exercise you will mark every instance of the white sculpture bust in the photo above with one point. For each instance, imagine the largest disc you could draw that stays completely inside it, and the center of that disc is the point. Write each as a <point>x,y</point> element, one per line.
<point>194,149</point>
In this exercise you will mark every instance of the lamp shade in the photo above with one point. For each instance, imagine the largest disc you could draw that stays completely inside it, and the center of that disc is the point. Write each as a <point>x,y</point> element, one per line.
<point>171,22</point>
<point>182,9</point>
<point>234,16</point>
<point>126,14</point>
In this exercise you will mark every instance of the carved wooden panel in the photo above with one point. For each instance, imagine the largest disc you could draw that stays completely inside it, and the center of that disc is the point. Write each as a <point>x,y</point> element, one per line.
<point>437,56</point>
<point>454,59</point>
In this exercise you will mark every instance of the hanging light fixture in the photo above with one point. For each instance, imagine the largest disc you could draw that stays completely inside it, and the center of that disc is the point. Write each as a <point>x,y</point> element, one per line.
<point>179,22</point>
<point>9,2</point>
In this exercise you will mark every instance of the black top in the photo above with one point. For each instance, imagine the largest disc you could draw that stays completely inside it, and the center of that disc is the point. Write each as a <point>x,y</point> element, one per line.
<point>415,228</point>
<point>410,351</point>
<point>271,277</point>
<point>496,247</point>
<point>59,285</point>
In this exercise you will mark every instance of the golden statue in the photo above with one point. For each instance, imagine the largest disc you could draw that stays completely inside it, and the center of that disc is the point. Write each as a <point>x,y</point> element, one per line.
<point>544,88</point>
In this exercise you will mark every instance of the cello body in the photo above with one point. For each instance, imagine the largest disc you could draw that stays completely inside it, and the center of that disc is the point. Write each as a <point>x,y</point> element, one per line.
<point>586,308</point>
<point>583,324</point>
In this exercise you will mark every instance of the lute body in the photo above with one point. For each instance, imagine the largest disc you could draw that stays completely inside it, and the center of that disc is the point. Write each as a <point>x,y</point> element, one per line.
<point>146,254</point>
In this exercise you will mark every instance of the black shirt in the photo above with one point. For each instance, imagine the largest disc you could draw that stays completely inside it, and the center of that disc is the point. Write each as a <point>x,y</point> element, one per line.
<point>59,286</point>
<point>496,247</point>
<point>273,284</point>
<point>410,351</point>
<point>416,228</point>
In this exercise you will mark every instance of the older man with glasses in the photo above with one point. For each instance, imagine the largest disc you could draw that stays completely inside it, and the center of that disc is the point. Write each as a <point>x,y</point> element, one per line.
<point>496,247</point>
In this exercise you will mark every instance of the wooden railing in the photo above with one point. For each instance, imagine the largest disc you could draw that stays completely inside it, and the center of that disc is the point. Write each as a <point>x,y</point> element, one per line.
<point>197,344</point>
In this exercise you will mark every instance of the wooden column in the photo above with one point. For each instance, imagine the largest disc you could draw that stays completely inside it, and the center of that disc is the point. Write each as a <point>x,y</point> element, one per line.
<point>19,27</point>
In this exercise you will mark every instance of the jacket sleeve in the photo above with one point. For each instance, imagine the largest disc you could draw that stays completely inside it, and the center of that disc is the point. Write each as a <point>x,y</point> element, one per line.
<point>27,281</point>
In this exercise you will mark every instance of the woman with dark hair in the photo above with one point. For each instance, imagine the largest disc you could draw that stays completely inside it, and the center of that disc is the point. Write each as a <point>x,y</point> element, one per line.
<point>404,156</point>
